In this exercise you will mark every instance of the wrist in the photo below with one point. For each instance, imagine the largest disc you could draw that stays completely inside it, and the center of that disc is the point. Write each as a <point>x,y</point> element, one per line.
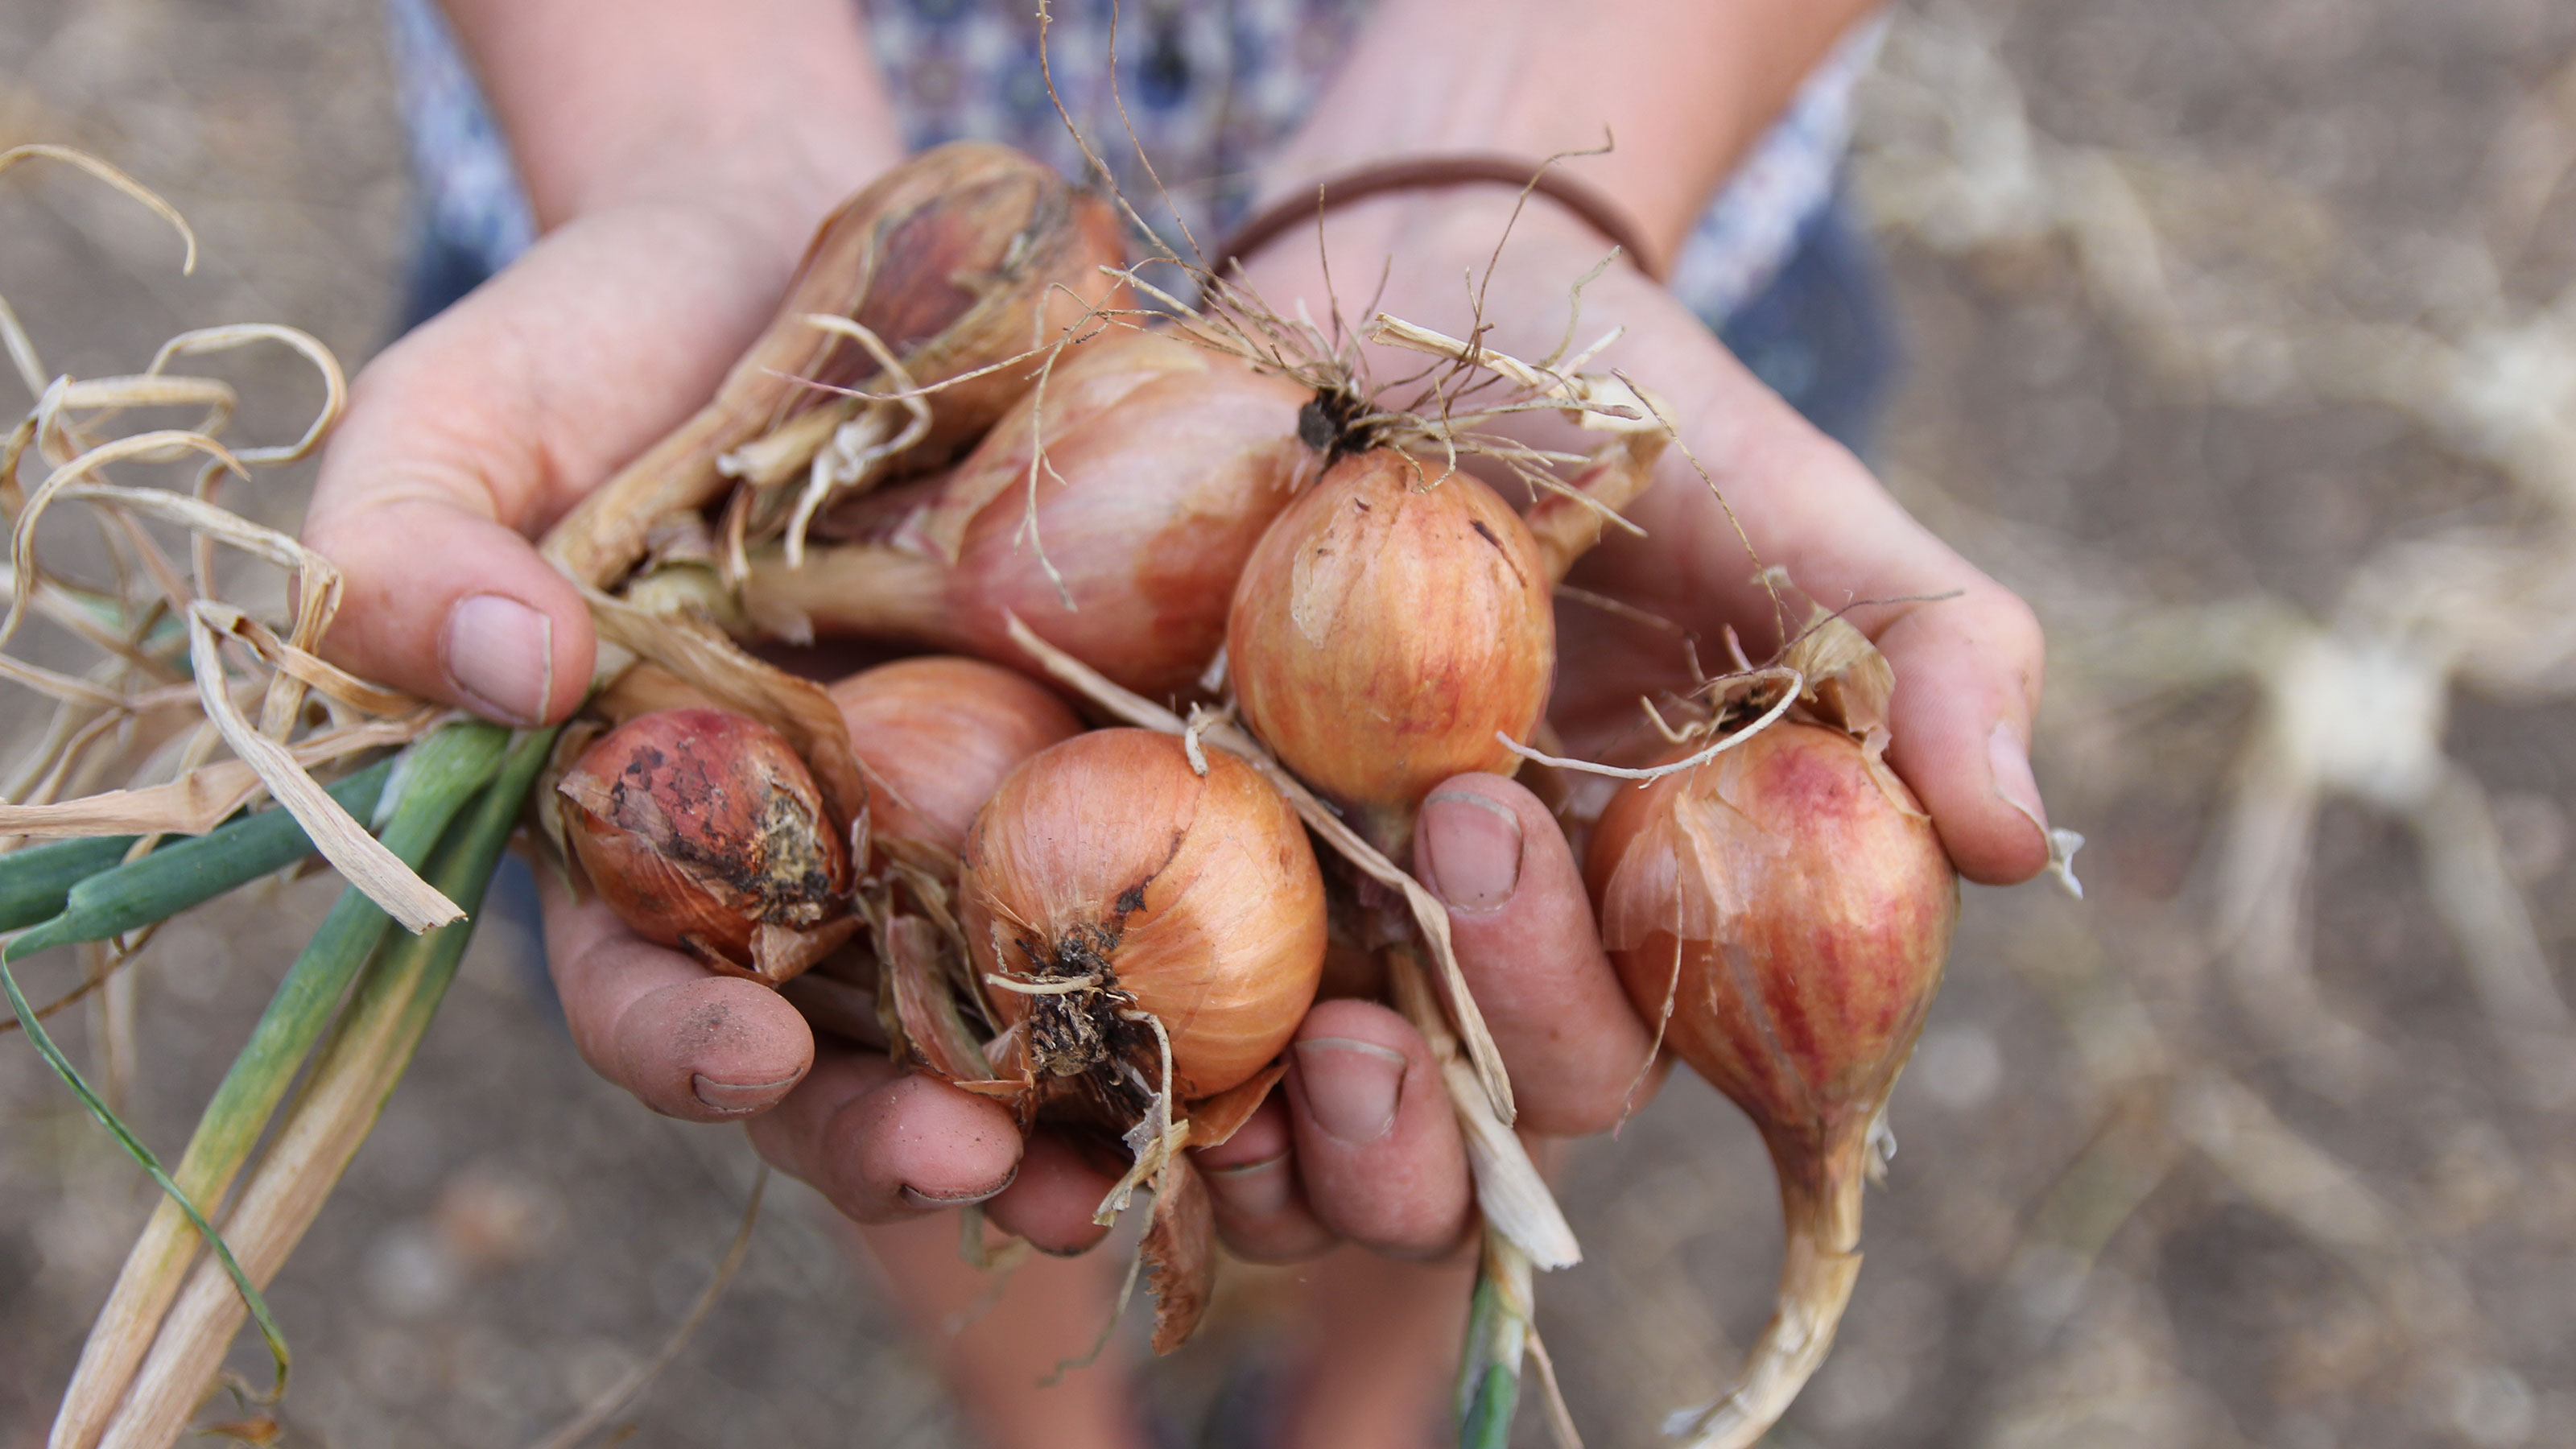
<point>1423,255</point>
<point>772,190</point>
<point>1526,178</point>
<point>769,109</point>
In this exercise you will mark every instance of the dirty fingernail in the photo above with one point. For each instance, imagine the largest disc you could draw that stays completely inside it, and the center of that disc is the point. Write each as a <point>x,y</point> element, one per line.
<point>1351,1087</point>
<point>1471,849</point>
<point>2014,783</point>
<point>500,655</point>
<point>739,1097</point>
<point>934,1200</point>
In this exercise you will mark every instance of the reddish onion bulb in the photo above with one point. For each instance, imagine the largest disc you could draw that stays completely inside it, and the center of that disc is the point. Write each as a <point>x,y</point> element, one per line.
<point>1164,463</point>
<point>938,734</point>
<point>956,260</point>
<point>1792,904</point>
<point>1193,898</point>
<point>1384,631</point>
<point>703,830</point>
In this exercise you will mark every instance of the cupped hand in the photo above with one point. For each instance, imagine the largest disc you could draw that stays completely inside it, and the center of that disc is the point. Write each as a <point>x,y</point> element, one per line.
<point>1776,493</point>
<point>463,441</point>
<point>468,437</point>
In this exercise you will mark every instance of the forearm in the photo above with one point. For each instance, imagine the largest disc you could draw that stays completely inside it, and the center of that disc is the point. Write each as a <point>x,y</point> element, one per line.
<point>1685,87</point>
<point>774,106</point>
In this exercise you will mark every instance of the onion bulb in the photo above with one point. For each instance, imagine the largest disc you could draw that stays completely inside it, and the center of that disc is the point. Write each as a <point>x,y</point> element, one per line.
<point>937,735</point>
<point>1109,882</point>
<point>963,257</point>
<point>1386,629</point>
<point>1783,911</point>
<point>704,831</point>
<point>1163,464</point>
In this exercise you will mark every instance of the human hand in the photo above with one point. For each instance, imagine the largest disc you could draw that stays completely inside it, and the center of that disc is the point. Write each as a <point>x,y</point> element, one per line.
<point>1965,651</point>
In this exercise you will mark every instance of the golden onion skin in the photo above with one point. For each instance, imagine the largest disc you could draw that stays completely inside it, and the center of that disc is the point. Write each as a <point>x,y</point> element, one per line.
<point>1199,894</point>
<point>1385,631</point>
<point>1156,487</point>
<point>938,734</point>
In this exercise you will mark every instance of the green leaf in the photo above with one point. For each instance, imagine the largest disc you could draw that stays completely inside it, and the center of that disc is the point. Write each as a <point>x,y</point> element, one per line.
<point>440,774</point>
<point>115,899</point>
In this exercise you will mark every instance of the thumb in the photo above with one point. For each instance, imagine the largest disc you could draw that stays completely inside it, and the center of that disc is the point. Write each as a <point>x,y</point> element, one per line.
<point>487,423</point>
<point>444,601</point>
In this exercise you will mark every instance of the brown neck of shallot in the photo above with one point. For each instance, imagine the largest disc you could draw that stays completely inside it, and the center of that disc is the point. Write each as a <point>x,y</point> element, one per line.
<point>1820,1262</point>
<point>872,590</point>
<point>1565,526</point>
<point>1111,512</point>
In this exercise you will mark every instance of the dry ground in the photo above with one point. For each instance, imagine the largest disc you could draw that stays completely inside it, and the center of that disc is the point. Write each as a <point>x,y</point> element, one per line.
<point>2163,1181</point>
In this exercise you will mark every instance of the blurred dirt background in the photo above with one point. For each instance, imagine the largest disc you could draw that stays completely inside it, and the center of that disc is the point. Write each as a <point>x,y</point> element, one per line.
<point>2242,340</point>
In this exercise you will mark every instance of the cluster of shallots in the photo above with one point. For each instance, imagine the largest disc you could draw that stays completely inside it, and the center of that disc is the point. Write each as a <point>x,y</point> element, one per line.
<point>976,447</point>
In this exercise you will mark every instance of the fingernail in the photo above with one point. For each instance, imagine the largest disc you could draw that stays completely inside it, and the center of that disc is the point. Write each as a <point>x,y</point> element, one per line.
<point>2014,783</point>
<point>1351,1087</point>
<point>500,655</point>
<point>935,1200</point>
<point>1254,1189</point>
<point>1471,849</point>
<point>740,1097</point>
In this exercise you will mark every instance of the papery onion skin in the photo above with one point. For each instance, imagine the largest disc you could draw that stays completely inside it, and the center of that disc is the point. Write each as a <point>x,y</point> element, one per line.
<point>1791,902</point>
<point>962,257</point>
<point>698,827</point>
<point>1164,464</point>
<point>1200,894</point>
<point>938,735</point>
<point>1003,225</point>
<point>1386,629</point>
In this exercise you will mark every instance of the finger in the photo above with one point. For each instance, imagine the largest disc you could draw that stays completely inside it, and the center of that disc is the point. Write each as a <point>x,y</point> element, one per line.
<point>1377,1143</point>
<point>1961,735</point>
<point>686,1041</point>
<point>1251,1177</point>
<point>1060,1186</point>
<point>1525,939</point>
<point>450,605</point>
<point>486,423</point>
<point>883,1144</point>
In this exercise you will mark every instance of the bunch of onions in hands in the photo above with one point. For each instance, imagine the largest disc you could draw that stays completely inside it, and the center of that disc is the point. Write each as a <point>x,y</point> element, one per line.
<point>1121,930</point>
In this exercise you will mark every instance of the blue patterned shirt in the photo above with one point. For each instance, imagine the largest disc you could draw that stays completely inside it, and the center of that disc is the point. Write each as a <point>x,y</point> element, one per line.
<point>1209,86</point>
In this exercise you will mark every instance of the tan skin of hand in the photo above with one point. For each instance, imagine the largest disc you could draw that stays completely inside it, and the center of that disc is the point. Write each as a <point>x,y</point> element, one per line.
<point>678,155</point>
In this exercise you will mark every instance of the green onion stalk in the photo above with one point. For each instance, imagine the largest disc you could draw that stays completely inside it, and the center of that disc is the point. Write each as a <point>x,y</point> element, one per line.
<point>361,1061</point>
<point>413,800</point>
